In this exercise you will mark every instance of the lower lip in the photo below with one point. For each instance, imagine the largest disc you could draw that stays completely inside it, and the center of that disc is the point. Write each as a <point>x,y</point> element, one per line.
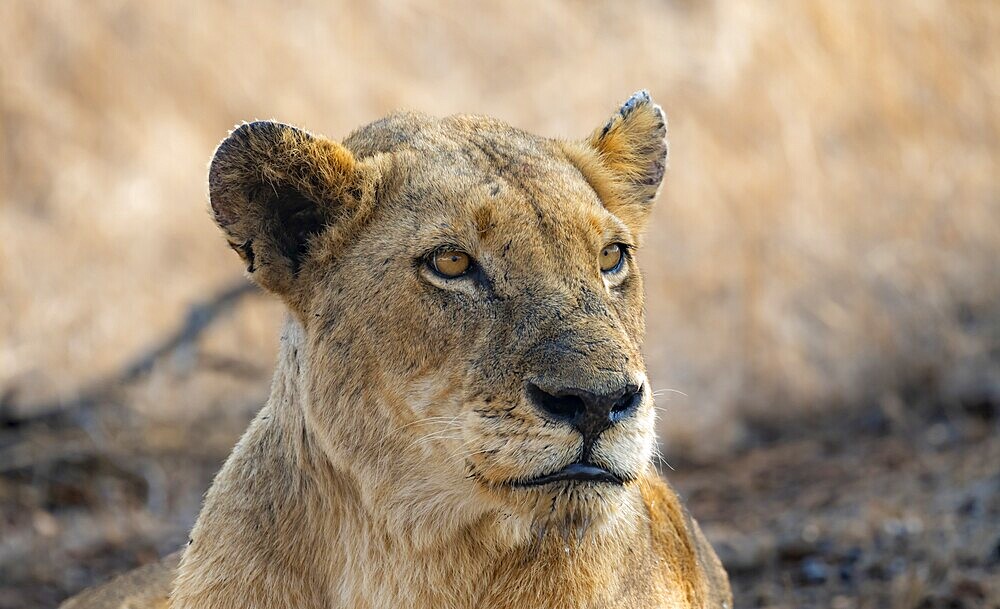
<point>576,472</point>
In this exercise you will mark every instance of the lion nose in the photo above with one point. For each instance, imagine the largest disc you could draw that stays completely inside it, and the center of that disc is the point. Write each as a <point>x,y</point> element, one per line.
<point>587,411</point>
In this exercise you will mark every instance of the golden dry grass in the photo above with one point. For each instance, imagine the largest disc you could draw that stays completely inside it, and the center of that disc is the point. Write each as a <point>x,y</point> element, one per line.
<point>828,234</point>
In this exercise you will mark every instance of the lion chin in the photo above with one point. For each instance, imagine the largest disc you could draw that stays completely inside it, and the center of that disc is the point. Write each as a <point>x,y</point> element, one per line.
<point>460,415</point>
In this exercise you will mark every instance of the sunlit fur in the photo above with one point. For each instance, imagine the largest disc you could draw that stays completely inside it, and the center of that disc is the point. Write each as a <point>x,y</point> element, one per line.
<point>383,470</point>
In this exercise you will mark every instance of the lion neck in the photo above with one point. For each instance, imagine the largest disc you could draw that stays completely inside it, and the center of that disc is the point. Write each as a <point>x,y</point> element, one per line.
<point>414,548</point>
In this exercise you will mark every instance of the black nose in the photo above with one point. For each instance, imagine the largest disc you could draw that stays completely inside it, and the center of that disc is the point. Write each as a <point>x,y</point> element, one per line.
<point>589,412</point>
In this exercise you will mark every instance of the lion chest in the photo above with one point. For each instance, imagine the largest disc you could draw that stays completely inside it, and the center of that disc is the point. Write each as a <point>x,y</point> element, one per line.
<point>375,580</point>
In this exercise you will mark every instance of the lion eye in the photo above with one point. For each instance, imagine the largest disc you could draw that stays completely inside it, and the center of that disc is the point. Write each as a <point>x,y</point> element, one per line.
<point>451,263</point>
<point>611,258</point>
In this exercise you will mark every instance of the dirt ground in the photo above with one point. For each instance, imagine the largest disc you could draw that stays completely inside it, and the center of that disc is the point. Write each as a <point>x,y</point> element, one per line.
<point>867,512</point>
<point>895,506</point>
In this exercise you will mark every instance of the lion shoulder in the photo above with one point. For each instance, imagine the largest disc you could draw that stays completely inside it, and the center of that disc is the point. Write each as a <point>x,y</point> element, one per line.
<point>147,587</point>
<point>678,539</point>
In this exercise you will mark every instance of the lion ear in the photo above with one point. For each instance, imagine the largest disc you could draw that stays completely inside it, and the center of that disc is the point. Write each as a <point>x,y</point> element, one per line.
<point>626,158</point>
<point>273,188</point>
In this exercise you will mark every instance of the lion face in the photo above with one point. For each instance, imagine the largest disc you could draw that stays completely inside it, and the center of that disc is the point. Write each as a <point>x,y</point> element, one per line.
<point>471,303</point>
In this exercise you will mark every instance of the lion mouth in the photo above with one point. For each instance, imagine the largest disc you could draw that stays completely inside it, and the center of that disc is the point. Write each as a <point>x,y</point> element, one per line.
<point>574,472</point>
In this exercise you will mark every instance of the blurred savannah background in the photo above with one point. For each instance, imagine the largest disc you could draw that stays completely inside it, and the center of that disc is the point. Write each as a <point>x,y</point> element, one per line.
<point>823,285</point>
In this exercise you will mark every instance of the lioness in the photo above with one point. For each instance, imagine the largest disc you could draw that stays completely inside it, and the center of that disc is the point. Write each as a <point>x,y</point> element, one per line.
<point>460,415</point>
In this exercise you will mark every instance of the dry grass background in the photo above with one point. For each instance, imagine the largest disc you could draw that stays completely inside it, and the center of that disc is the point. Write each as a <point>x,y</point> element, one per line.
<point>828,236</point>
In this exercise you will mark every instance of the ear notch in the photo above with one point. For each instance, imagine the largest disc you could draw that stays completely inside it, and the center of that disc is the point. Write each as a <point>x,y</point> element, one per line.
<point>274,187</point>
<point>625,160</point>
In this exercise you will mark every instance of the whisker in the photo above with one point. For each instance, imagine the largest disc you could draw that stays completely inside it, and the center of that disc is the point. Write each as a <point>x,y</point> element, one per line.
<point>663,391</point>
<point>430,420</point>
<point>438,435</point>
<point>660,458</point>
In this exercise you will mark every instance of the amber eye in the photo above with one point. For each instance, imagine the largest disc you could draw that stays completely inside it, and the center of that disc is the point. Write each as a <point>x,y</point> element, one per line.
<point>611,258</point>
<point>451,263</point>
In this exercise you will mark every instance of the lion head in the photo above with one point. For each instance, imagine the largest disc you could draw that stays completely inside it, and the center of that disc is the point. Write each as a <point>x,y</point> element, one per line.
<point>469,306</point>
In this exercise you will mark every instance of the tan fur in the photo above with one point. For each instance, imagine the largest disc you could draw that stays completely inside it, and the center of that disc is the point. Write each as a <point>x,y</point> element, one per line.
<point>147,587</point>
<point>380,472</point>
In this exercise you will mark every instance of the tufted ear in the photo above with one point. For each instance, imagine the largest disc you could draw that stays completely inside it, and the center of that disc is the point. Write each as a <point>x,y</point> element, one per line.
<point>626,158</point>
<point>273,188</point>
